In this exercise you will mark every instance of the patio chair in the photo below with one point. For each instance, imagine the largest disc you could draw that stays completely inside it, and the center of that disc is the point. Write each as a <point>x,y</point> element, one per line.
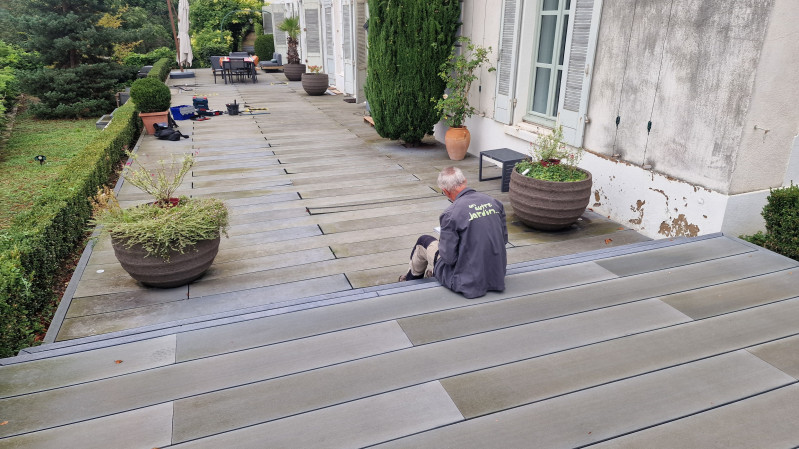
<point>275,64</point>
<point>236,68</point>
<point>217,69</point>
<point>239,54</point>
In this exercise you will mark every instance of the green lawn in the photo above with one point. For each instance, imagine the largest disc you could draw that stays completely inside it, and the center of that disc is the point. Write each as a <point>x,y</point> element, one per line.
<point>21,177</point>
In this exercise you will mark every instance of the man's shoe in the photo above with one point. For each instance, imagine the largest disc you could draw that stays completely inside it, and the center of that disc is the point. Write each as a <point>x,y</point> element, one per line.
<point>409,277</point>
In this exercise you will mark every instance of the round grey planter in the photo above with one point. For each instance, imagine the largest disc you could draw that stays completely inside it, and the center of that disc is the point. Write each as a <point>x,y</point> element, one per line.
<point>548,205</point>
<point>294,72</point>
<point>155,272</point>
<point>315,83</point>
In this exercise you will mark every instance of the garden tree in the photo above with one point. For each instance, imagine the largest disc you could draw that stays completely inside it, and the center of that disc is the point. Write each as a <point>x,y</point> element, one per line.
<point>408,42</point>
<point>208,15</point>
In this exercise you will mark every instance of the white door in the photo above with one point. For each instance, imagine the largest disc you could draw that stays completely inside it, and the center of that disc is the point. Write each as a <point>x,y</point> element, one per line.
<point>347,42</point>
<point>329,47</point>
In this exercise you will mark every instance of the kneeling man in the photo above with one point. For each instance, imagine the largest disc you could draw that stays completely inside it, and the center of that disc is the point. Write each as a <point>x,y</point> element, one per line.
<point>470,256</point>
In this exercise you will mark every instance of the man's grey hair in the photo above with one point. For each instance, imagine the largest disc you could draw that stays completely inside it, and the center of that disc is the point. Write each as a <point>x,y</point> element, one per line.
<point>450,178</point>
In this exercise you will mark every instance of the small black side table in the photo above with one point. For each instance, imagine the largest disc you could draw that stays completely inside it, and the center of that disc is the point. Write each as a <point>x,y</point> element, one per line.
<point>505,158</point>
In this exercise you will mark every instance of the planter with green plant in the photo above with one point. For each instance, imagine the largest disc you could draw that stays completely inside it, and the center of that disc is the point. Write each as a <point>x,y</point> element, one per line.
<point>152,99</point>
<point>458,73</point>
<point>170,241</point>
<point>548,191</point>
<point>315,82</point>
<point>293,69</point>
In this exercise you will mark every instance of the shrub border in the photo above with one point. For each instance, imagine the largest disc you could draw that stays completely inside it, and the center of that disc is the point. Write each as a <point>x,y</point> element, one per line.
<point>39,239</point>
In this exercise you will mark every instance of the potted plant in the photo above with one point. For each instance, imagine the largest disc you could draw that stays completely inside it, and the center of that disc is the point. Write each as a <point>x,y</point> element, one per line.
<point>315,82</point>
<point>152,98</point>
<point>168,242</point>
<point>458,73</point>
<point>293,70</point>
<point>548,191</point>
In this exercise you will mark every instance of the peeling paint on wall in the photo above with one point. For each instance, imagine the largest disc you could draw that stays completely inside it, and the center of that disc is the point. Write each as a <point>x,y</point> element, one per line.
<point>679,227</point>
<point>639,207</point>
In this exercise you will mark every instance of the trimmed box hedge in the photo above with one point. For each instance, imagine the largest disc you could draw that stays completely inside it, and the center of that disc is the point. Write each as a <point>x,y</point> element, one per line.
<point>160,69</point>
<point>781,213</point>
<point>40,238</point>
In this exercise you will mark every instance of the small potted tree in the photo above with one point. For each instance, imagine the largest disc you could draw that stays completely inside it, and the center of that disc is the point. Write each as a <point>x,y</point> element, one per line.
<point>293,69</point>
<point>168,242</point>
<point>458,73</point>
<point>548,191</point>
<point>315,82</point>
<point>152,98</point>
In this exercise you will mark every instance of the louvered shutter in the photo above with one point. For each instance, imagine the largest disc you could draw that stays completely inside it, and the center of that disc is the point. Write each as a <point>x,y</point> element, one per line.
<point>281,46</point>
<point>580,50</point>
<point>506,64</point>
<point>313,38</point>
<point>346,18</point>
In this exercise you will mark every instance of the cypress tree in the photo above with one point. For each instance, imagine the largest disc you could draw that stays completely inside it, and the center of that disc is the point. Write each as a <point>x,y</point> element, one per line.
<point>408,41</point>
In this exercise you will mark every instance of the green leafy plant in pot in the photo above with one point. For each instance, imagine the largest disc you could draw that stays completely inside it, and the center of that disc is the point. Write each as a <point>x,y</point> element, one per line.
<point>168,242</point>
<point>458,73</point>
<point>549,191</point>
<point>152,98</point>
<point>293,69</point>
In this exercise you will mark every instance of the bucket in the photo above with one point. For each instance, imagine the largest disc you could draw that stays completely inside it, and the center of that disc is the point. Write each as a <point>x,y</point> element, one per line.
<point>233,108</point>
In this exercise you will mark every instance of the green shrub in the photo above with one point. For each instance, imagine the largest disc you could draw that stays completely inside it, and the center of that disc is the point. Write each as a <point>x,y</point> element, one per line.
<point>408,42</point>
<point>150,94</point>
<point>33,248</point>
<point>139,60</point>
<point>782,223</point>
<point>207,43</point>
<point>161,69</point>
<point>265,46</point>
<point>85,91</point>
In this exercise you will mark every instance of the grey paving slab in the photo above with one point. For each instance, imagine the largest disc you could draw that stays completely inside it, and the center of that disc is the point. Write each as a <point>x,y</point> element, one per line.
<point>82,367</point>
<point>511,385</point>
<point>736,295</point>
<point>342,316</point>
<point>614,409</point>
<point>263,401</point>
<point>758,422</point>
<point>783,353</point>
<point>574,299</point>
<point>197,306</point>
<point>109,396</point>
<point>148,427</point>
<point>355,424</point>
<point>674,256</point>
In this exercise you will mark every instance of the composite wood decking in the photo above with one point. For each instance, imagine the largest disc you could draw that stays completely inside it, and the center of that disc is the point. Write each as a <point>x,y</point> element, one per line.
<point>300,338</point>
<point>681,343</point>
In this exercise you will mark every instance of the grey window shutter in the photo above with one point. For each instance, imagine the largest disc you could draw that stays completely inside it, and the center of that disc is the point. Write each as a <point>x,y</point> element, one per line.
<point>580,51</point>
<point>280,36</point>
<point>267,17</point>
<point>506,65</point>
<point>347,31</point>
<point>312,31</point>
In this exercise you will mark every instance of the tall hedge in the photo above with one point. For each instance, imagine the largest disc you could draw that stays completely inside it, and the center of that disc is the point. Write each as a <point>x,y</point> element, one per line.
<point>408,41</point>
<point>265,46</point>
<point>39,239</point>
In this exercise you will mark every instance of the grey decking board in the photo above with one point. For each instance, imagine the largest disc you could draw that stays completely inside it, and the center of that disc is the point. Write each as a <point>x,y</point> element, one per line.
<point>762,421</point>
<point>673,256</point>
<point>374,375</point>
<point>143,428</point>
<point>355,424</point>
<point>609,410</point>
<point>430,216</point>
<point>511,385</point>
<point>577,298</point>
<point>342,316</point>
<point>783,354</point>
<point>109,396</point>
<point>196,306</point>
<point>736,295</point>
<point>86,366</point>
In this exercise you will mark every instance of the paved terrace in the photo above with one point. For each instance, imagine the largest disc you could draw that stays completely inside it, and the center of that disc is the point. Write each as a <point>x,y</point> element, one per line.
<point>669,343</point>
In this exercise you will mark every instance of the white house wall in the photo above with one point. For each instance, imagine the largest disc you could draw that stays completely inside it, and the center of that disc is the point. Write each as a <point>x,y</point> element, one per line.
<point>726,67</point>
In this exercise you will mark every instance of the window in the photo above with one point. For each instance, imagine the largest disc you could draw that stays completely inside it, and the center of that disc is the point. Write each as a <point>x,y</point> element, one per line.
<point>550,48</point>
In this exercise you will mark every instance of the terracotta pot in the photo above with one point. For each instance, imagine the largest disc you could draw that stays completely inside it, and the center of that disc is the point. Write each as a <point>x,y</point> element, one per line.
<point>548,205</point>
<point>151,118</point>
<point>294,72</point>
<point>155,272</point>
<point>457,141</point>
<point>315,83</point>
